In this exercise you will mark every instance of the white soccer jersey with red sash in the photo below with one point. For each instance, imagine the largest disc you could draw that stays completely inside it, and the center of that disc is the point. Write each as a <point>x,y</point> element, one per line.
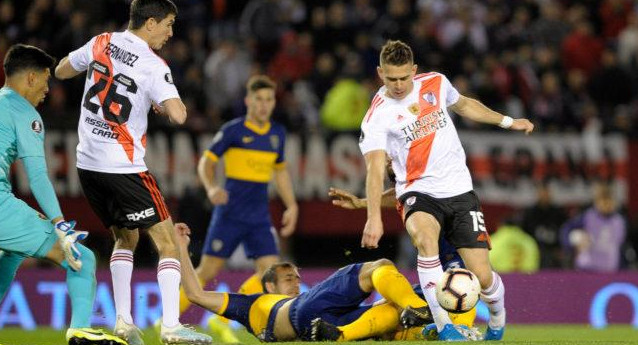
<point>124,75</point>
<point>420,138</point>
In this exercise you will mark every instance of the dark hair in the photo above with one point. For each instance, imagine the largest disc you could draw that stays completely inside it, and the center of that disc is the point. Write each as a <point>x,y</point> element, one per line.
<point>396,53</point>
<point>143,10</point>
<point>270,275</point>
<point>258,82</point>
<point>21,57</point>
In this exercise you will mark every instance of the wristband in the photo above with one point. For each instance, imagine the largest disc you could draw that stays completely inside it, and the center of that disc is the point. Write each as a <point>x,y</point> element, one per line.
<point>506,122</point>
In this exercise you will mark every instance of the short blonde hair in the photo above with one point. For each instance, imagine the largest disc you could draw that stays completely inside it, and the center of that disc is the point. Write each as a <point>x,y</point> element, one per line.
<point>258,82</point>
<point>396,53</point>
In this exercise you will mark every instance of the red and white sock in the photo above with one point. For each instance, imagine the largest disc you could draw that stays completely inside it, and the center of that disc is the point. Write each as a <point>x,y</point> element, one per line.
<point>430,272</point>
<point>121,271</point>
<point>494,297</point>
<point>168,278</point>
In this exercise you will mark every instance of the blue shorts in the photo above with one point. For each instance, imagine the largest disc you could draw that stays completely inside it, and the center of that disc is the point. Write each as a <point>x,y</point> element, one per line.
<point>225,234</point>
<point>448,255</point>
<point>23,230</point>
<point>336,300</point>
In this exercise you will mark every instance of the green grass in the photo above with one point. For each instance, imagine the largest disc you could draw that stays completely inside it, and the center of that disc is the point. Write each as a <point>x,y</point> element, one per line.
<point>516,334</point>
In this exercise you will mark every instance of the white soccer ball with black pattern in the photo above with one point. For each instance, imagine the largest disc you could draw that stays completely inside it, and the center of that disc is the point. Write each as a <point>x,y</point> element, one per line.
<point>458,290</point>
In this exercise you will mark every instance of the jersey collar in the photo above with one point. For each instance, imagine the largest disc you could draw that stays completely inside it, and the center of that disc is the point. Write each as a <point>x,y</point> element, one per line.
<point>135,38</point>
<point>255,128</point>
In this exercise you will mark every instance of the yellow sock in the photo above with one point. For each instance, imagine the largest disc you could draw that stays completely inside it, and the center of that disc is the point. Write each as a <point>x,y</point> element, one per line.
<point>465,318</point>
<point>394,287</point>
<point>184,303</point>
<point>412,333</point>
<point>376,321</point>
<point>252,285</point>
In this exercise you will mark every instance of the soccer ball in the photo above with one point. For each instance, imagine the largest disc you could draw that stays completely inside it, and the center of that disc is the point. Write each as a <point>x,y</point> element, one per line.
<point>458,290</point>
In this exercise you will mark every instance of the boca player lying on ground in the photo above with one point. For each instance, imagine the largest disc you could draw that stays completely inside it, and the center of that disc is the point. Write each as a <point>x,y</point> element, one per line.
<point>283,314</point>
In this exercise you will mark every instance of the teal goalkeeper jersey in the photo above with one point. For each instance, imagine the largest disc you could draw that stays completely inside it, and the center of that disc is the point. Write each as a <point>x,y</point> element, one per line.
<point>21,134</point>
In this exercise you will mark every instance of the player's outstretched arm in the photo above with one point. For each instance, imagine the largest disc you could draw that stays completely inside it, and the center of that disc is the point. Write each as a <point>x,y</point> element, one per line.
<point>64,70</point>
<point>210,300</point>
<point>349,201</point>
<point>476,111</point>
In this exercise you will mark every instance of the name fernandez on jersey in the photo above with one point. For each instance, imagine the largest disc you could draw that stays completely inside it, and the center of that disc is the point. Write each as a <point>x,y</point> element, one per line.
<point>120,54</point>
<point>124,77</point>
<point>424,126</point>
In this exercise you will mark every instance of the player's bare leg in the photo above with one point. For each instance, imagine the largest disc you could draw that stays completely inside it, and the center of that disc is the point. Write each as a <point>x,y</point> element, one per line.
<point>425,230</point>
<point>492,289</point>
<point>168,278</point>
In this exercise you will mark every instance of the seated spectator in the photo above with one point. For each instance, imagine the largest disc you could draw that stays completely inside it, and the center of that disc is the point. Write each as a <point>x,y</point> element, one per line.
<point>596,235</point>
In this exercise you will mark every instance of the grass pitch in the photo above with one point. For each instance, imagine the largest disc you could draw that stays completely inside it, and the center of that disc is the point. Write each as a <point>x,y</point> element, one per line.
<point>515,334</point>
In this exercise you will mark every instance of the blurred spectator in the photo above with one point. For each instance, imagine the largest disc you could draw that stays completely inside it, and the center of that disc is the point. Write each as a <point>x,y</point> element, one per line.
<point>513,250</point>
<point>547,106</point>
<point>575,99</point>
<point>610,87</point>
<point>596,235</point>
<point>347,101</point>
<point>394,23</point>
<point>294,59</point>
<point>261,20</point>
<point>582,49</point>
<point>543,221</point>
<point>613,16</point>
<point>227,69</point>
<point>628,44</point>
<point>345,105</point>
<point>550,29</point>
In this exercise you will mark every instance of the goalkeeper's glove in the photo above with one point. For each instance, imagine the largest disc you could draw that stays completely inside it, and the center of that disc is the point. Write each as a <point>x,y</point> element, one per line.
<point>68,239</point>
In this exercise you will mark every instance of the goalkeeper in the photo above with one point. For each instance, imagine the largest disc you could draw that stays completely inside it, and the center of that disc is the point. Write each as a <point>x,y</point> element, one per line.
<point>23,231</point>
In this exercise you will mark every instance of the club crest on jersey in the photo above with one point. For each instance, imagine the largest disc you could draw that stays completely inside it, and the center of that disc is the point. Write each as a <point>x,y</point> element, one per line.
<point>247,139</point>
<point>411,200</point>
<point>217,245</point>
<point>430,98</point>
<point>274,142</point>
<point>36,126</point>
<point>414,108</point>
<point>169,78</point>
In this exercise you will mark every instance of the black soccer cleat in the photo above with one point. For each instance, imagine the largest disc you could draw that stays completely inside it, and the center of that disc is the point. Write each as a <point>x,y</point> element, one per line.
<point>324,331</point>
<point>414,317</point>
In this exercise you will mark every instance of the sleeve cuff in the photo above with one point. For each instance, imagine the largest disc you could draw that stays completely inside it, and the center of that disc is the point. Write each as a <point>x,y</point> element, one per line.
<point>213,157</point>
<point>224,306</point>
<point>280,166</point>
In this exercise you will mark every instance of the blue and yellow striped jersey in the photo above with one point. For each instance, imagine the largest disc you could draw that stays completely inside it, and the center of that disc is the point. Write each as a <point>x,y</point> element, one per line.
<point>250,154</point>
<point>255,312</point>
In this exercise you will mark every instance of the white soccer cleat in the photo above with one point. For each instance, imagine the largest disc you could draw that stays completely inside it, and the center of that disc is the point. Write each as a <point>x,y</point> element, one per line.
<point>128,332</point>
<point>183,335</point>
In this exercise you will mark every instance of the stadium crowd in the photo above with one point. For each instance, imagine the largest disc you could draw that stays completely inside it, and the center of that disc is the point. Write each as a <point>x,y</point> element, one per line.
<point>566,64</point>
<point>569,66</point>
